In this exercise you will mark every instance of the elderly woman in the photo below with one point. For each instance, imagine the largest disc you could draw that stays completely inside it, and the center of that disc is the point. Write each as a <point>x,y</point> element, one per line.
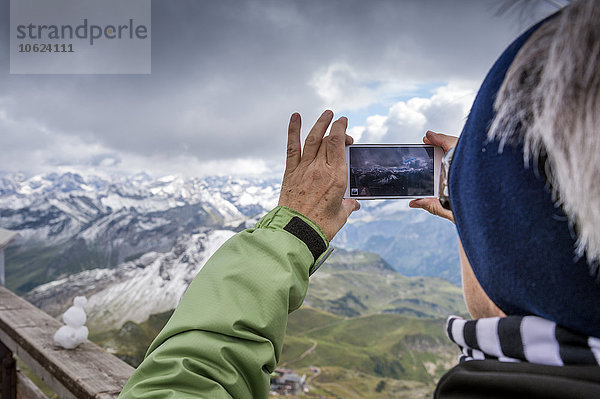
<point>523,188</point>
<point>524,184</point>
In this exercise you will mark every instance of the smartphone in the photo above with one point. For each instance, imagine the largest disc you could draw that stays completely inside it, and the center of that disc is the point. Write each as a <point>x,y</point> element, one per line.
<point>389,171</point>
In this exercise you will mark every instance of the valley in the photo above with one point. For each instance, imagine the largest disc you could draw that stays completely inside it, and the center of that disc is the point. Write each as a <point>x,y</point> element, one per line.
<point>372,324</point>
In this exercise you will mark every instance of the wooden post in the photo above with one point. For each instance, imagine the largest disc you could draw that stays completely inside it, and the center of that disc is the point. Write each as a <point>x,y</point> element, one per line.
<point>9,373</point>
<point>26,389</point>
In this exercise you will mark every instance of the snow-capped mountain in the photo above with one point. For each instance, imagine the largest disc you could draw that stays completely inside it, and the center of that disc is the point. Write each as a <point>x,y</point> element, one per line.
<point>122,240</point>
<point>71,202</point>
<point>134,290</point>
<point>70,223</point>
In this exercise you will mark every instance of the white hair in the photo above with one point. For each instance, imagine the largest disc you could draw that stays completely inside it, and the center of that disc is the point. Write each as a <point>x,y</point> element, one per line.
<point>550,102</point>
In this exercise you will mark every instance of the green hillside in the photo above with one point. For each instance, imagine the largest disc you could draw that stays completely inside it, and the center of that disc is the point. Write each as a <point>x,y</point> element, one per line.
<point>365,331</point>
<point>357,353</point>
<point>131,341</point>
<point>29,266</point>
<point>374,344</point>
<point>352,355</point>
<point>414,243</point>
<point>335,382</point>
<point>354,283</point>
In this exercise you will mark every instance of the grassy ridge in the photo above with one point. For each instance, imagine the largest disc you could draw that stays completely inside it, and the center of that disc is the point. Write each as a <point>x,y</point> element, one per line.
<point>353,355</point>
<point>343,383</point>
<point>359,283</point>
<point>368,331</point>
<point>132,340</point>
<point>28,267</point>
<point>379,345</point>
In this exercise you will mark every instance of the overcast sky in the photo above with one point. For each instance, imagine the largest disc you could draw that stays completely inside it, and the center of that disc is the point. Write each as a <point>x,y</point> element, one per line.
<point>226,75</point>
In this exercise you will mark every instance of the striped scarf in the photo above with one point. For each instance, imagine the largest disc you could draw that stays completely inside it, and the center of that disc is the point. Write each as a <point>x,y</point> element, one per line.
<point>522,339</point>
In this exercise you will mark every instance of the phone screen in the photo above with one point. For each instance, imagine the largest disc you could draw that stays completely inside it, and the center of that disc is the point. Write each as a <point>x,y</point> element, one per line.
<point>391,171</point>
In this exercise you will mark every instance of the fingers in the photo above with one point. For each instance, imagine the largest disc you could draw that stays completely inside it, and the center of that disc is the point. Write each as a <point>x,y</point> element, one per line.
<point>441,140</point>
<point>433,206</point>
<point>335,145</point>
<point>315,136</point>
<point>293,142</point>
<point>349,140</point>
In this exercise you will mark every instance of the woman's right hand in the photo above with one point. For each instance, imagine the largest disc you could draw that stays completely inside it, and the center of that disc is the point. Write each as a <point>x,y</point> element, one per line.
<point>433,205</point>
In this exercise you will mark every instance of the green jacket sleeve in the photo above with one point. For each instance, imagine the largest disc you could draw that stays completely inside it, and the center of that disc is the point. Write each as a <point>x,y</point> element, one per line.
<point>226,335</point>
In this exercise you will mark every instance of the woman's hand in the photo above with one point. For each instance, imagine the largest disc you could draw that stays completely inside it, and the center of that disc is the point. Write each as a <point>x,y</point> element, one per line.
<point>433,205</point>
<point>315,180</point>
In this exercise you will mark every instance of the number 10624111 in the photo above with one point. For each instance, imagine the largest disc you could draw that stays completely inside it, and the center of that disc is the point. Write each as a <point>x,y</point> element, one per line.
<point>45,48</point>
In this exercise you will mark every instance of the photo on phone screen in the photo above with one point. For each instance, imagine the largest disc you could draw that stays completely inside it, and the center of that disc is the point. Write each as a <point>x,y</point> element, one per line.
<point>392,171</point>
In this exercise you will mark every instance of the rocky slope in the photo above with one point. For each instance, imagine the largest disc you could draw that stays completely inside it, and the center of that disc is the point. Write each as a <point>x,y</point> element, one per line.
<point>68,223</point>
<point>134,290</point>
<point>71,224</point>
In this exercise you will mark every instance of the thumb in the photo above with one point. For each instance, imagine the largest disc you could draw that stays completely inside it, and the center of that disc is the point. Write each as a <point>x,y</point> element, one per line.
<point>433,206</point>
<point>442,140</point>
<point>349,206</point>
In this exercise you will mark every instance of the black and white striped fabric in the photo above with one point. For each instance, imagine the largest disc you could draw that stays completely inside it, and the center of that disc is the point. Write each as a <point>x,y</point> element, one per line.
<point>522,339</point>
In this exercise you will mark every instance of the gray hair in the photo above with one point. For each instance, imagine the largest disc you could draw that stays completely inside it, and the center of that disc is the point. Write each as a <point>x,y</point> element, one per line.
<point>550,102</point>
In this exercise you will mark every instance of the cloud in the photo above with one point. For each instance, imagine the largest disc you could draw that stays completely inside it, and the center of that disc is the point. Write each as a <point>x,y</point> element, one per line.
<point>407,121</point>
<point>38,149</point>
<point>342,87</point>
<point>226,75</point>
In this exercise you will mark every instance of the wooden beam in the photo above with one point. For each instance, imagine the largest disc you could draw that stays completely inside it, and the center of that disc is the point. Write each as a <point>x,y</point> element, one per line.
<point>26,389</point>
<point>86,372</point>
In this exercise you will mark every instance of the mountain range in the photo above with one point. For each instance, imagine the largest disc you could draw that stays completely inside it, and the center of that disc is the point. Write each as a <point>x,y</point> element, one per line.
<point>373,316</point>
<point>70,223</point>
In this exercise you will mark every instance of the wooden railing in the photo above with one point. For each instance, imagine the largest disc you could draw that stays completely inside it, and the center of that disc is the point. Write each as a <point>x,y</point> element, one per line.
<point>85,372</point>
